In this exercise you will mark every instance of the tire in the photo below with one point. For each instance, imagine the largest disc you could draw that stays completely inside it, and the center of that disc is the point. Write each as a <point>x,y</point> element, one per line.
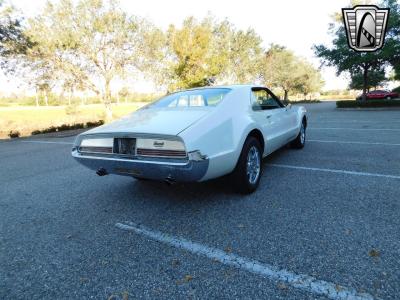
<point>250,160</point>
<point>388,98</point>
<point>300,140</point>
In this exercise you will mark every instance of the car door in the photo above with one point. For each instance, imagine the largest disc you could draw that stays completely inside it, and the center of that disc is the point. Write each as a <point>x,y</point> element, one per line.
<point>272,117</point>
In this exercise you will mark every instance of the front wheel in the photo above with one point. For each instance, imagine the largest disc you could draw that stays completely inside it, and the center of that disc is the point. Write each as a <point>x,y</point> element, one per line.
<point>300,140</point>
<point>247,173</point>
<point>388,98</point>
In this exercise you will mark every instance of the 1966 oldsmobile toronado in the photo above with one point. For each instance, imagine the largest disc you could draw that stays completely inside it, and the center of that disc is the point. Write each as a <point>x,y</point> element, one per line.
<point>196,135</point>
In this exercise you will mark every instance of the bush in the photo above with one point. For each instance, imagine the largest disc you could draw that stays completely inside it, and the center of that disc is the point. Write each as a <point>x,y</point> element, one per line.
<point>369,103</point>
<point>304,101</point>
<point>95,124</point>
<point>14,134</point>
<point>68,127</point>
<point>35,132</point>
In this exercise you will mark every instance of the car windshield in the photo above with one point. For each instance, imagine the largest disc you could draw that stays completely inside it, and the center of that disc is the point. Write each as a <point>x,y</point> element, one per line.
<point>193,98</point>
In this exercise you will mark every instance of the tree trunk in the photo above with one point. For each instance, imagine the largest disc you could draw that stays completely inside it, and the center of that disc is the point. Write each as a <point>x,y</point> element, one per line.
<point>117,98</point>
<point>69,97</point>
<point>365,84</point>
<point>107,101</point>
<point>286,94</point>
<point>46,98</point>
<point>37,98</point>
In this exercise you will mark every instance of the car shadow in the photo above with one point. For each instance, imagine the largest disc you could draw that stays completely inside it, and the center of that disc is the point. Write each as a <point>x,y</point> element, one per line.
<point>197,191</point>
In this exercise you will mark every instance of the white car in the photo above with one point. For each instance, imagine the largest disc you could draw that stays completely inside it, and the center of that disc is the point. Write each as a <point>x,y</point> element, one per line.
<point>196,135</point>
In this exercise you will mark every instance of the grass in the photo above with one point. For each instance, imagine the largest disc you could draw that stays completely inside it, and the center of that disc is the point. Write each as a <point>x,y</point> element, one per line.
<point>368,104</point>
<point>27,119</point>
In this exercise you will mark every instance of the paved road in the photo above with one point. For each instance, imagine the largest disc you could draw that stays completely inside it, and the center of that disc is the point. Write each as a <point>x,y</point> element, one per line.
<point>330,211</point>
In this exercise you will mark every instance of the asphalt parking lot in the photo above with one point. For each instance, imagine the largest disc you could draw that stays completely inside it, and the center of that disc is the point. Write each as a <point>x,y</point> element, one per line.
<point>324,223</point>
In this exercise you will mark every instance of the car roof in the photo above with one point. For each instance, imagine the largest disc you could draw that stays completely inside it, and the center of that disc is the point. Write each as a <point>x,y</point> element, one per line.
<point>232,87</point>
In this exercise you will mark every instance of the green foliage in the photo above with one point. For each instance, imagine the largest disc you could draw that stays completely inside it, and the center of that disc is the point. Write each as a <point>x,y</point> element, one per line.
<point>12,39</point>
<point>68,127</point>
<point>392,41</point>
<point>86,45</point>
<point>368,104</point>
<point>245,56</point>
<point>303,101</point>
<point>77,45</point>
<point>356,63</point>
<point>14,134</point>
<point>280,68</point>
<point>196,54</point>
<point>375,79</point>
<point>203,52</point>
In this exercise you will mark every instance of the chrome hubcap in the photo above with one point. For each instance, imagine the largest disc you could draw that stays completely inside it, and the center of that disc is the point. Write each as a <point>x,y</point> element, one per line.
<point>253,165</point>
<point>302,134</point>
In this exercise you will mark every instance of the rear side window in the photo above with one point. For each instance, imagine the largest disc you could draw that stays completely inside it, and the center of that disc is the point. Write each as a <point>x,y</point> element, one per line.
<point>262,100</point>
<point>193,98</point>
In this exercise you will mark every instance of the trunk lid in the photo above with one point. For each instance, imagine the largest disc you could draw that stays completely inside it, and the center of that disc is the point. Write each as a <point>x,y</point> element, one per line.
<point>166,121</point>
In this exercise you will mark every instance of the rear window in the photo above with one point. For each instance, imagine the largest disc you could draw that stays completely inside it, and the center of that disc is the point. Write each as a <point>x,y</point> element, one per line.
<point>193,98</point>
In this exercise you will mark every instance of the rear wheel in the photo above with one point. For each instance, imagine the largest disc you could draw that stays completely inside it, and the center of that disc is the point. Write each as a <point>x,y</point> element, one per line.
<point>388,98</point>
<point>300,140</point>
<point>247,173</point>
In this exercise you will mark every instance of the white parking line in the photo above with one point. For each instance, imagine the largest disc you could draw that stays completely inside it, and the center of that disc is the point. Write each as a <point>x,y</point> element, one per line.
<point>351,121</point>
<point>298,281</point>
<point>350,142</point>
<point>47,142</point>
<point>334,171</point>
<point>354,129</point>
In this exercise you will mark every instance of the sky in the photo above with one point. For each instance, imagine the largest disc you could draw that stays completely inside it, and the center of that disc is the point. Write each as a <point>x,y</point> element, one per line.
<point>298,25</point>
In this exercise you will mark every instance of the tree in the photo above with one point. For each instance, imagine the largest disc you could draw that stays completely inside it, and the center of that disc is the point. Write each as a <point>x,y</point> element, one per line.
<point>13,42</point>
<point>89,43</point>
<point>124,93</point>
<point>193,55</point>
<point>12,39</point>
<point>310,78</point>
<point>245,56</point>
<point>204,52</point>
<point>375,78</point>
<point>392,41</point>
<point>356,63</point>
<point>281,69</point>
<point>108,42</point>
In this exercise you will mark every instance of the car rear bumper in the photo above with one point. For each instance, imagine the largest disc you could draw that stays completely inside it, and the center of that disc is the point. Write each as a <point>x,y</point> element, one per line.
<point>186,171</point>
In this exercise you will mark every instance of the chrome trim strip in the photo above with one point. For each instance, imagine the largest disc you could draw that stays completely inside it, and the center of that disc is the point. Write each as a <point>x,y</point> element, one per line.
<point>74,154</point>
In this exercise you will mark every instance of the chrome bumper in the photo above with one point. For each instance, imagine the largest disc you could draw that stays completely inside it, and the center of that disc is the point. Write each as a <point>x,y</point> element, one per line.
<point>186,171</point>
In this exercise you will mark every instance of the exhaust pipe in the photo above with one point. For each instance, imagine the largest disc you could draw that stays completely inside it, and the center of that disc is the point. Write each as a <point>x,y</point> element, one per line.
<point>101,172</point>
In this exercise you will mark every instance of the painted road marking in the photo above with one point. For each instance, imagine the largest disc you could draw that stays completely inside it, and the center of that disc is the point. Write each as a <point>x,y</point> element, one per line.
<point>354,129</point>
<point>299,281</point>
<point>48,142</point>
<point>351,121</point>
<point>334,171</point>
<point>350,142</point>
